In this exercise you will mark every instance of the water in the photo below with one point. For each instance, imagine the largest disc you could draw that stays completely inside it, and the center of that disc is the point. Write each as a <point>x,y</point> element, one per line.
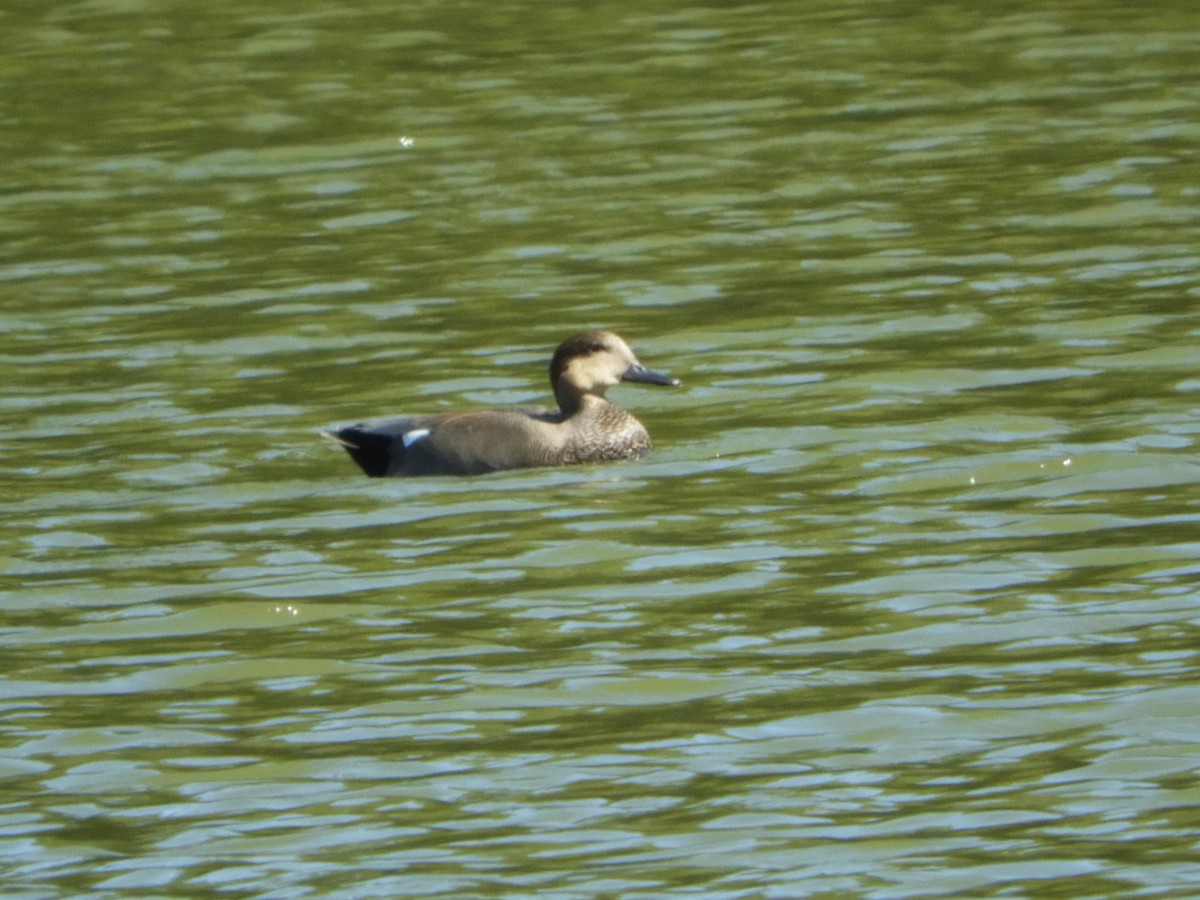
<point>904,603</point>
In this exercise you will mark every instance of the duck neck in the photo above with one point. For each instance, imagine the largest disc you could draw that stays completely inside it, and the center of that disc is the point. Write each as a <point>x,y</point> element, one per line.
<point>571,401</point>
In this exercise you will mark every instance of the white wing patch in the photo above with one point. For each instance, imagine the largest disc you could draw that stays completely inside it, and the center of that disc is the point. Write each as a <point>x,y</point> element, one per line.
<point>411,437</point>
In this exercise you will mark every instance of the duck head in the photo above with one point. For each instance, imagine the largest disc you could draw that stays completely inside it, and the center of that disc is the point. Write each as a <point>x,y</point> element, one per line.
<point>593,361</point>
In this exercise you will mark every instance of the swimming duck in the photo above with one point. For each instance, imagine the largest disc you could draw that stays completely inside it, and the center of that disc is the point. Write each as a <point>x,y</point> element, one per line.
<point>586,427</point>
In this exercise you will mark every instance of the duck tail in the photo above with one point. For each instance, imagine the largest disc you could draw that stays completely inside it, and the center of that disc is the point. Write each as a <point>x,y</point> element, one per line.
<point>372,451</point>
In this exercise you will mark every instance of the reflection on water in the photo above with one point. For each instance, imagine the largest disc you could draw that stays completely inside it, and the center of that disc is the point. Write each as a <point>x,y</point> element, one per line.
<point>902,605</point>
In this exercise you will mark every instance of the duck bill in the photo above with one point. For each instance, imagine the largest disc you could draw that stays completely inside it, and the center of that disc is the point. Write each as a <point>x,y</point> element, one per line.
<point>642,375</point>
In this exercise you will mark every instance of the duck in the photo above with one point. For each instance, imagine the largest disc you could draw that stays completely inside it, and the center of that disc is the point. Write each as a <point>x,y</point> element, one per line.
<point>585,428</point>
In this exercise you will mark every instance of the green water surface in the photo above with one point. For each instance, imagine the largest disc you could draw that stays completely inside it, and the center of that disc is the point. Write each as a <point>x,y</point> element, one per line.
<point>904,603</point>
